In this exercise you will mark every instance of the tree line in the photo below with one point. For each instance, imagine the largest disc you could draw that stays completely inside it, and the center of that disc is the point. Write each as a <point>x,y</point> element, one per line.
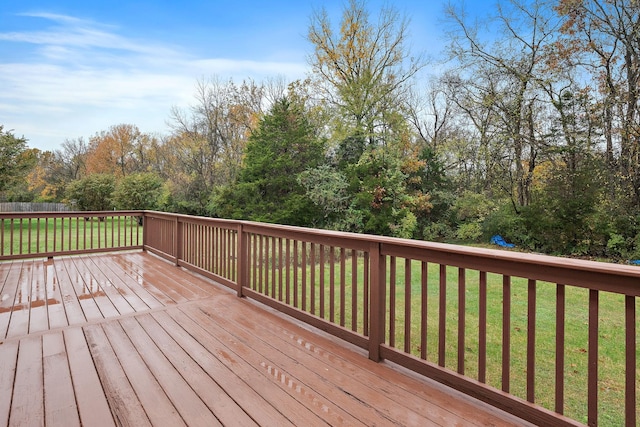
<point>529,129</point>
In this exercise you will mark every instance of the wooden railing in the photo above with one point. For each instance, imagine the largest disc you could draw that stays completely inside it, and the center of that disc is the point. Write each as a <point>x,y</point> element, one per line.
<point>551,340</point>
<point>47,234</point>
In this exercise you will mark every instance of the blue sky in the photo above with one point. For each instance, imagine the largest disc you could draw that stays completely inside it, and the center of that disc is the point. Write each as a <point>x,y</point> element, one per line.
<point>70,69</point>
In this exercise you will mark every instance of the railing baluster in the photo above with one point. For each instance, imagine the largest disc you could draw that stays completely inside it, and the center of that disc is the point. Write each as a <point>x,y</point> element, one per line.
<point>21,249</point>
<point>442,316</point>
<point>296,254</point>
<point>407,305</point>
<point>482,328</point>
<point>332,283</point>
<point>462,308</point>
<point>304,276</point>
<point>630,361</point>
<point>29,238</point>
<point>280,267</point>
<point>322,281</point>
<point>592,376</point>
<point>365,293</point>
<point>560,329</point>
<point>273,267</point>
<point>531,340</point>
<point>392,301</point>
<point>287,264</point>
<point>506,333</point>
<point>424,274</point>
<point>312,267</point>
<point>343,284</point>
<point>354,290</point>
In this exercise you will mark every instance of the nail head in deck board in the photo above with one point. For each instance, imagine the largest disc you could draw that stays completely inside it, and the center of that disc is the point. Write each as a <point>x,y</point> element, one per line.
<point>188,404</point>
<point>27,404</point>
<point>124,404</point>
<point>91,400</point>
<point>59,400</point>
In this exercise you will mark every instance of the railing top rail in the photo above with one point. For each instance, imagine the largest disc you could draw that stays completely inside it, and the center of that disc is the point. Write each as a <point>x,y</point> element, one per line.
<point>450,254</point>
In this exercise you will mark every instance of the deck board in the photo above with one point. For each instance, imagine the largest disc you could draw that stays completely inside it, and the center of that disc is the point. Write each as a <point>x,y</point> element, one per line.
<point>130,339</point>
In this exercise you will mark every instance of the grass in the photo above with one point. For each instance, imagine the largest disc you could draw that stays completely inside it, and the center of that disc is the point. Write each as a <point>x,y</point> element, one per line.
<point>35,236</point>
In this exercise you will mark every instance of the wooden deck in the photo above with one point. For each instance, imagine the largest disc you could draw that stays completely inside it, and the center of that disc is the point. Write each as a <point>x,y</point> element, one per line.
<point>129,339</point>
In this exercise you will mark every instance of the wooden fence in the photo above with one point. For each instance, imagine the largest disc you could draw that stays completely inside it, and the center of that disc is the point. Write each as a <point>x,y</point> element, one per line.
<point>33,207</point>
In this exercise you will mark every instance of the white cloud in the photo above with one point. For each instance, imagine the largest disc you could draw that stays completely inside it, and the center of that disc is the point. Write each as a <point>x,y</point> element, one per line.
<point>83,77</point>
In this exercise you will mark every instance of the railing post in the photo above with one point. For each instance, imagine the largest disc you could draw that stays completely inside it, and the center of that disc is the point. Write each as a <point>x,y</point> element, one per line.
<point>243,259</point>
<point>177,240</point>
<point>145,229</point>
<point>377,303</point>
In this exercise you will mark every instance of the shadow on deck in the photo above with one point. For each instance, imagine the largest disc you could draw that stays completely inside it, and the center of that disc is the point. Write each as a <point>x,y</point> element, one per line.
<point>129,339</point>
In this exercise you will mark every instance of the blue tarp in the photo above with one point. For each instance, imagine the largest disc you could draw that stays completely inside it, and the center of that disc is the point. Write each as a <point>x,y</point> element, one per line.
<point>634,262</point>
<point>499,240</point>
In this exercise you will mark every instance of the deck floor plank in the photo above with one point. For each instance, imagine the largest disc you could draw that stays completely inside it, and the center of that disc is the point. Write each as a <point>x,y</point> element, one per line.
<point>93,407</point>
<point>253,393</point>
<point>39,314</point>
<point>55,302</point>
<point>7,300</point>
<point>352,372</point>
<point>139,297</point>
<point>59,398</point>
<point>297,366</point>
<point>139,276</point>
<point>211,394</point>
<point>19,319</point>
<point>102,295</point>
<point>191,286</point>
<point>73,280</point>
<point>27,403</point>
<point>187,351</point>
<point>318,399</point>
<point>70,300</point>
<point>325,376</point>
<point>153,397</point>
<point>123,401</point>
<point>191,408</point>
<point>8,363</point>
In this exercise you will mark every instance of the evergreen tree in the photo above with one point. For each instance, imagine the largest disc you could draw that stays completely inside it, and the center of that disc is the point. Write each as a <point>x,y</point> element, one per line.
<point>283,146</point>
